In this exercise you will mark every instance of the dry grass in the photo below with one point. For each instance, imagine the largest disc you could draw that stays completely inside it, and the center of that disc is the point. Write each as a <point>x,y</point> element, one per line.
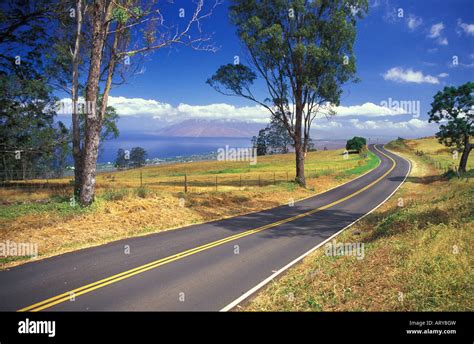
<point>433,150</point>
<point>201,176</point>
<point>417,257</point>
<point>125,212</point>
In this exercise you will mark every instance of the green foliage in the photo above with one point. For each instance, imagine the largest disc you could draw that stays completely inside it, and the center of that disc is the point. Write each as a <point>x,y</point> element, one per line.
<point>120,14</point>
<point>234,77</point>
<point>122,160</point>
<point>144,192</point>
<point>115,194</point>
<point>138,156</point>
<point>60,206</point>
<point>454,105</point>
<point>260,142</point>
<point>303,53</point>
<point>273,139</point>
<point>356,143</point>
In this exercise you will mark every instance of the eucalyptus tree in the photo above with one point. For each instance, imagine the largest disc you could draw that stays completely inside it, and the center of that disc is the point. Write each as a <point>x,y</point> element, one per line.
<point>119,31</point>
<point>302,52</point>
<point>454,108</point>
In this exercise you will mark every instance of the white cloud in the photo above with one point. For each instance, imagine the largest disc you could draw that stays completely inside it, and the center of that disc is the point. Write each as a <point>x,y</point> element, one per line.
<point>411,125</point>
<point>436,30</point>
<point>443,75</point>
<point>140,106</point>
<point>152,108</point>
<point>413,22</point>
<point>339,125</point>
<point>225,111</point>
<point>401,75</point>
<point>374,3</point>
<point>442,41</point>
<point>367,109</point>
<point>468,29</point>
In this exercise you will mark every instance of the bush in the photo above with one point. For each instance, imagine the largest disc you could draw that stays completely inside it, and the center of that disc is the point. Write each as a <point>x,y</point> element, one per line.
<point>115,194</point>
<point>143,192</point>
<point>356,143</point>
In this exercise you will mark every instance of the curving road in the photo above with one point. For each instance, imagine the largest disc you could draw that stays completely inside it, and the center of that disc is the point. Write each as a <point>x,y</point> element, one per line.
<point>211,266</point>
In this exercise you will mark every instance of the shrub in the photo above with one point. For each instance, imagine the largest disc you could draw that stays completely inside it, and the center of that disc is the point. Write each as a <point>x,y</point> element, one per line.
<point>115,194</point>
<point>143,192</point>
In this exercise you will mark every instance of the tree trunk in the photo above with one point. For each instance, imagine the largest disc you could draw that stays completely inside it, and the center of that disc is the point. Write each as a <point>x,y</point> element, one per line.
<point>100,14</point>
<point>465,156</point>
<point>299,146</point>
<point>300,178</point>
<point>76,134</point>
<point>89,162</point>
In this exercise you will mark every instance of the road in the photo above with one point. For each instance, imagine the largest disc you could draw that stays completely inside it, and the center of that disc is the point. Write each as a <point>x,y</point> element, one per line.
<point>211,266</point>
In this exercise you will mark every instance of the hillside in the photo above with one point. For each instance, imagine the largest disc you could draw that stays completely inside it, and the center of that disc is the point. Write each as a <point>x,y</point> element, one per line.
<point>204,128</point>
<point>418,250</point>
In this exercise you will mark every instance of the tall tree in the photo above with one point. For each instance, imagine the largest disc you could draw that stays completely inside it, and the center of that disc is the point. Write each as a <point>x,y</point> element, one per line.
<point>259,142</point>
<point>357,143</point>
<point>138,156</point>
<point>76,132</point>
<point>28,134</point>
<point>454,107</point>
<point>302,50</point>
<point>122,159</point>
<point>113,24</point>
<point>278,138</point>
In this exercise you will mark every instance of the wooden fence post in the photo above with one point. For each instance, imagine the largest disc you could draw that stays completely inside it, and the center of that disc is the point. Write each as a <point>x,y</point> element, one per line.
<point>185,183</point>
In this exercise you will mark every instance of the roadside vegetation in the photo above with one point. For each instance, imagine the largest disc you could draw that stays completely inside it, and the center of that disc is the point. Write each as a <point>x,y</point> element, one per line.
<point>418,249</point>
<point>123,208</point>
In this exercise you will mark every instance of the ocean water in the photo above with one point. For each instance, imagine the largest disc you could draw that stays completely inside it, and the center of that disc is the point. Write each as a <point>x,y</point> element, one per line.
<point>168,147</point>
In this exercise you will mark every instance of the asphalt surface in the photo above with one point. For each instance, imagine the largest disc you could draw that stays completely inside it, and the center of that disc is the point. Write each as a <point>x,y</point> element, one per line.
<point>208,278</point>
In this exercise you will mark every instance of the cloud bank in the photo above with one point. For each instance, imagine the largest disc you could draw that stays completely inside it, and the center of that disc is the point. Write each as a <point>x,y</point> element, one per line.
<point>401,75</point>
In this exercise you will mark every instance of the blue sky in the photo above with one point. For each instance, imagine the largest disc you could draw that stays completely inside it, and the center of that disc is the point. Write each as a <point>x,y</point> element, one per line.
<point>405,50</point>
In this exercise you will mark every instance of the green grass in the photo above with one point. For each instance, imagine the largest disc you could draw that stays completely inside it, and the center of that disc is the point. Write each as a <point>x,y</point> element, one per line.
<point>371,163</point>
<point>5,260</point>
<point>56,205</point>
<point>115,194</point>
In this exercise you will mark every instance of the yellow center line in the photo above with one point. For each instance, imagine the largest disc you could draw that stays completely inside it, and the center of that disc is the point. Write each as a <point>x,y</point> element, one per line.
<point>50,302</point>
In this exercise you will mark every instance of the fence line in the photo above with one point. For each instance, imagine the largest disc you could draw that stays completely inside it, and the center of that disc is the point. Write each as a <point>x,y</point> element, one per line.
<point>184,181</point>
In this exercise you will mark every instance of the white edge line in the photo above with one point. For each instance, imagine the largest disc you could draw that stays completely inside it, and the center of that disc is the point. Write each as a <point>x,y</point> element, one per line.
<point>286,267</point>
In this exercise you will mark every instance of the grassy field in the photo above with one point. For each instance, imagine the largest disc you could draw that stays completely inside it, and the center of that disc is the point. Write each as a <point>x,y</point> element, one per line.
<point>439,156</point>
<point>418,252</point>
<point>201,176</point>
<point>124,209</point>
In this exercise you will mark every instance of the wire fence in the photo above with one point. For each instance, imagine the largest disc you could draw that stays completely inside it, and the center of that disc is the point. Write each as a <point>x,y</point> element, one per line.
<point>444,166</point>
<point>141,177</point>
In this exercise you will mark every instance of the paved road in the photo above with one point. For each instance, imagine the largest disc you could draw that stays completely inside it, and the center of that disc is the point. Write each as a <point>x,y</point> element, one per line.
<point>200,267</point>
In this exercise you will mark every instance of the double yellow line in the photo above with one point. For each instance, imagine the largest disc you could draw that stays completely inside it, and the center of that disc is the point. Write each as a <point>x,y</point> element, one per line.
<point>132,272</point>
